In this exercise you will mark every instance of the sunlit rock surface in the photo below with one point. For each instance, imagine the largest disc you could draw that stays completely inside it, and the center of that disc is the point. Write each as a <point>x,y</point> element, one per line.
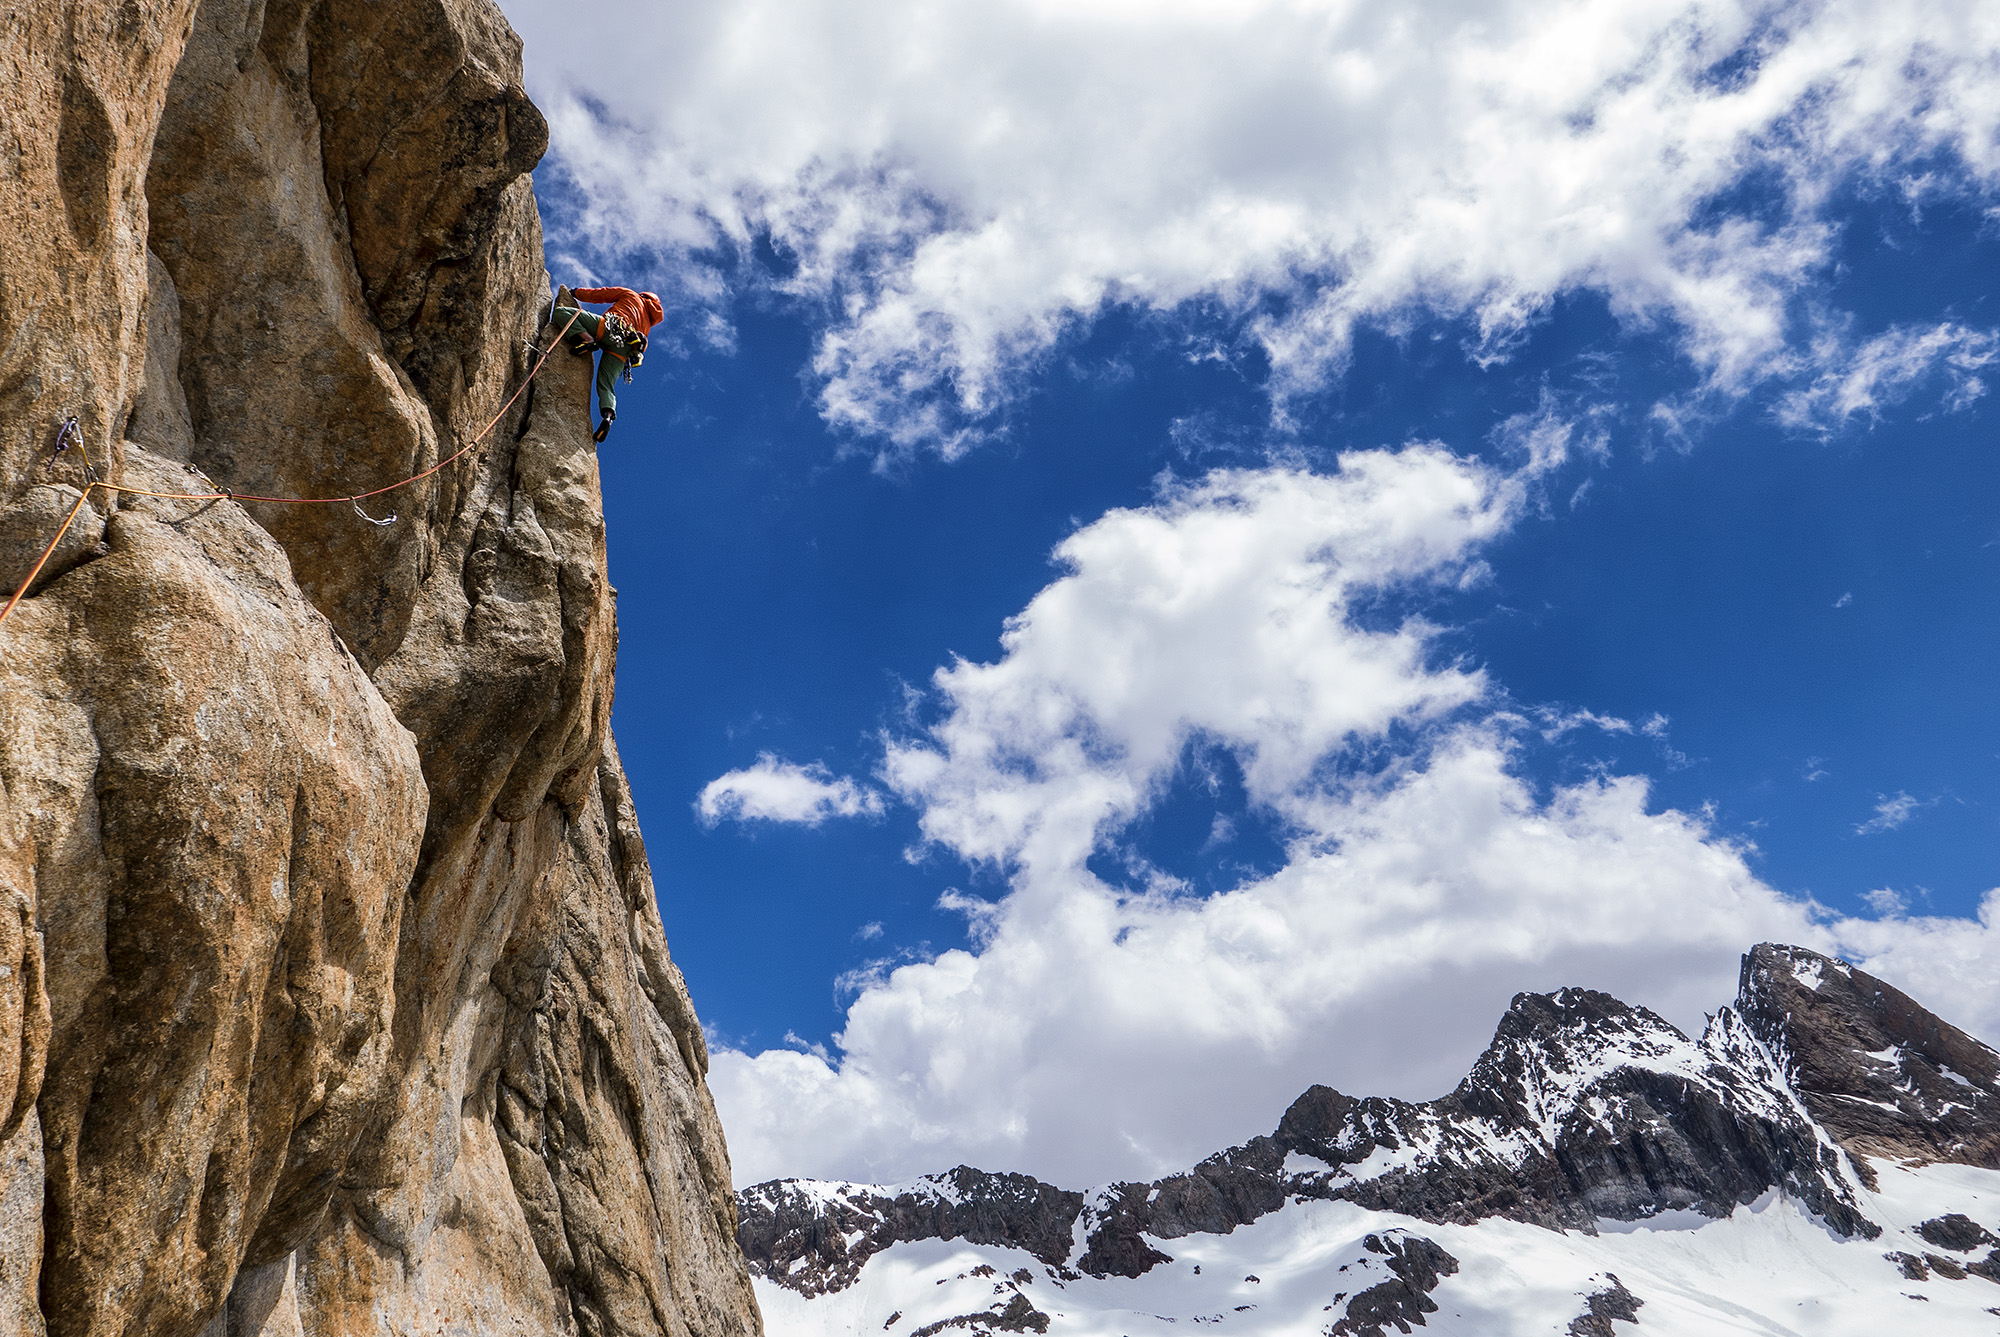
<point>333,993</point>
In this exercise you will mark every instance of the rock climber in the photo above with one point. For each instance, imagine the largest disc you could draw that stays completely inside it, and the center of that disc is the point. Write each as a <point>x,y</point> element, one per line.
<point>618,336</point>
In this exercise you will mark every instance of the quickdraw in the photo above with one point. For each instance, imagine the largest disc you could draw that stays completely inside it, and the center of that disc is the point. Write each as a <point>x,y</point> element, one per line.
<point>69,435</point>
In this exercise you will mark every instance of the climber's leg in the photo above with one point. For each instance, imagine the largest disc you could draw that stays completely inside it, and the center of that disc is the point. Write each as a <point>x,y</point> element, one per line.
<point>609,364</point>
<point>582,336</point>
<point>608,367</point>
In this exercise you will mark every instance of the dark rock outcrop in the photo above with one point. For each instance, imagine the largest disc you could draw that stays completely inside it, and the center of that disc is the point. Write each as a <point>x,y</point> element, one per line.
<point>1602,1308</point>
<point>1957,1232</point>
<point>1417,1265</point>
<point>1581,1109</point>
<point>1018,1314</point>
<point>1877,1070</point>
<point>815,1237</point>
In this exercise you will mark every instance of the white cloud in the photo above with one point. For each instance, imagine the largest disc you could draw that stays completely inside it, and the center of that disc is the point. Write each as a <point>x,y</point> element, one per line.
<point>1891,811</point>
<point>1093,1030</point>
<point>781,791</point>
<point>1886,901</point>
<point>1099,1034</point>
<point>1419,891</point>
<point>960,184</point>
<point>1556,723</point>
<point>1219,611</point>
<point>1885,370</point>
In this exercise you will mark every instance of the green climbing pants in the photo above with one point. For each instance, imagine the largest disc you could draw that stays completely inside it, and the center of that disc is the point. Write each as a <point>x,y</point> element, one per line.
<point>589,332</point>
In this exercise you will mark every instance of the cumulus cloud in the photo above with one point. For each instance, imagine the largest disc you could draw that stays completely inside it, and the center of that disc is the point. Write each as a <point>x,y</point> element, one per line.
<point>774,790</point>
<point>1886,901</point>
<point>956,186</point>
<point>1220,611</point>
<point>1096,1029</point>
<point>1101,1032</point>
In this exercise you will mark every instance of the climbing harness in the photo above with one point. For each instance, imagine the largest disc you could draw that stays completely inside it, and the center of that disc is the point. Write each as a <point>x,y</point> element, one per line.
<point>72,435</point>
<point>619,341</point>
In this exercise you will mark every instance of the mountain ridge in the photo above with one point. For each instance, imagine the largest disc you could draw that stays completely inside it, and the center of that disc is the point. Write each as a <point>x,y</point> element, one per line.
<point>1581,1114</point>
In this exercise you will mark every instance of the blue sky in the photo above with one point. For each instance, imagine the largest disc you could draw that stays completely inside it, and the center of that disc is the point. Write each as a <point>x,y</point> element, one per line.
<point>1482,569</point>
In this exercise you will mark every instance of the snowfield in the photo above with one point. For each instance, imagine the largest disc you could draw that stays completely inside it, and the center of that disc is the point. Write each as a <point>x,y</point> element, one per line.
<point>1770,1268</point>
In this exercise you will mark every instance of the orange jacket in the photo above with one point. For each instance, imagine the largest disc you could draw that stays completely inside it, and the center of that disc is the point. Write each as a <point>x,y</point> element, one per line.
<point>640,310</point>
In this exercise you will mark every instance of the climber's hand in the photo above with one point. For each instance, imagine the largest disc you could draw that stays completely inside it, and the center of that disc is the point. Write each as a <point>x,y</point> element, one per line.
<point>603,428</point>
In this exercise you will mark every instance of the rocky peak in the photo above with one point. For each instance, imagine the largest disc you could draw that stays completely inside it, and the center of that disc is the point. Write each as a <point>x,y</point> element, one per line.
<point>1548,1044</point>
<point>1881,1073</point>
<point>1581,1109</point>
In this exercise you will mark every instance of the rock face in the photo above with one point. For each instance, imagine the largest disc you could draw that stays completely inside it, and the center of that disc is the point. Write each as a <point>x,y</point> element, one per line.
<point>1582,1109</point>
<point>334,998</point>
<point>1603,1308</point>
<point>1416,1266</point>
<point>1879,1072</point>
<point>816,1236</point>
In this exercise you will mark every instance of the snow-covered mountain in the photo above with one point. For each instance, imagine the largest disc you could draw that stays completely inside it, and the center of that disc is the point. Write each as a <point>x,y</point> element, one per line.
<point>1824,1158</point>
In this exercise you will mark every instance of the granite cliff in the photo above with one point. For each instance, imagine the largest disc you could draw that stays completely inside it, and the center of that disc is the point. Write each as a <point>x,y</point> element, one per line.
<point>333,994</point>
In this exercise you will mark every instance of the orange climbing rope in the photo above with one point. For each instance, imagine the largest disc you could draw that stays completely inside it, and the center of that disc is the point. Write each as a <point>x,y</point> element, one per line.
<point>355,499</point>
